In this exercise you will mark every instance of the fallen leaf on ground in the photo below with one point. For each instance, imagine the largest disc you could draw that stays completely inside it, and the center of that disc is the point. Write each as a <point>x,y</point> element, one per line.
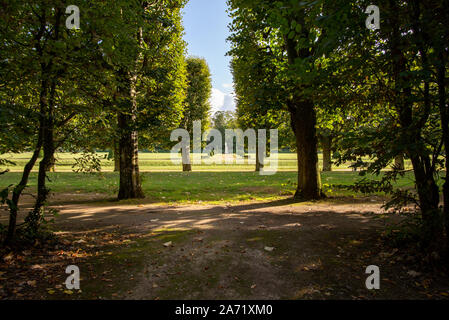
<point>168,244</point>
<point>37,267</point>
<point>8,257</point>
<point>31,283</point>
<point>413,273</point>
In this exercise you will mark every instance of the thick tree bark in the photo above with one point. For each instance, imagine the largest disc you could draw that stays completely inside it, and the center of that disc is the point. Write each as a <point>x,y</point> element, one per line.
<point>303,120</point>
<point>326,143</point>
<point>130,185</point>
<point>52,165</point>
<point>116,157</point>
<point>399,162</point>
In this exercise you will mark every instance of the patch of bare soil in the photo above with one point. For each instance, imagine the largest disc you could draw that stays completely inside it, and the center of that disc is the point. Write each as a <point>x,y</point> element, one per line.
<point>274,250</point>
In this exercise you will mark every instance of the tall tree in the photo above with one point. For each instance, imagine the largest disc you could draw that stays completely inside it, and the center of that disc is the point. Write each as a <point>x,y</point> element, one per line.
<point>298,39</point>
<point>197,105</point>
<point>41,59</point>
<point>142,50</point>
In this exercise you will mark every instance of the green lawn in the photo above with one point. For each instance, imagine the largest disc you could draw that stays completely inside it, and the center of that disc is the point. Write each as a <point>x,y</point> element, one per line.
<point>211,187</point>
<point>153,162</point>
<point>164,181</point>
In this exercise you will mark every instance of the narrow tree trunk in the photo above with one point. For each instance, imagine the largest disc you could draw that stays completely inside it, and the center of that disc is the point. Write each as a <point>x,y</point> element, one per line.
<point>444,114</point>
<point>326,143</point>
<point>116,157</point>
<point>259,164</point>
<point>19,189</point>
<point>49,82</point>
<point>399,162</point>
<point>426,186</point>
<point>303,120</point>
<point>130,186</point>
<point>34,218</point>
<point>187,167</point>
<point>186,164</point>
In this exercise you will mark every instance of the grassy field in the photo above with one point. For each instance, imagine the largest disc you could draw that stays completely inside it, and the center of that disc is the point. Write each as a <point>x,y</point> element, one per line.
<point>164,182</point>
<point>154,162</point>
<point>194,187</point>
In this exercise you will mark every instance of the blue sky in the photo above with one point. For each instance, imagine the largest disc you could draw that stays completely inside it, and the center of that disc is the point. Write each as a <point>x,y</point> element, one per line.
<point>206,29</point>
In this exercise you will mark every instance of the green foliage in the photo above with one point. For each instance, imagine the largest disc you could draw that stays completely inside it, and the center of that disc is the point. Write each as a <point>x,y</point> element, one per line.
<point>257,59</point>
<point>222,120</point>
<point>199,88</point>
<point>89,162</point>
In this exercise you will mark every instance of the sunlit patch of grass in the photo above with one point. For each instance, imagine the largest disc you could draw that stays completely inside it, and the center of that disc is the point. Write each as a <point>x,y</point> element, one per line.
<point>157,162</point>
<point>197,187</point>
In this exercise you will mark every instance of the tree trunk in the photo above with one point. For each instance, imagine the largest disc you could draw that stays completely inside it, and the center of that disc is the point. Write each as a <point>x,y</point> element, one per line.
<point>130,186</point>
<point>444,114</point>
<point>47,99</point>
<point>326,143</point>
<point>34,218</point>
<point>186,164</point>
<point>426,186</point>
<point>19,189</point>
<point>303,120</point>
<point>51,166</point>
<point>116,157</point>
<point>259,164</point>
<point>399,162</point>
<point>429,197</point>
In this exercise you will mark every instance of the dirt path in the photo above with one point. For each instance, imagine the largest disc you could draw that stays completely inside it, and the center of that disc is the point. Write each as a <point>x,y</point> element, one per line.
<point>275,250</point>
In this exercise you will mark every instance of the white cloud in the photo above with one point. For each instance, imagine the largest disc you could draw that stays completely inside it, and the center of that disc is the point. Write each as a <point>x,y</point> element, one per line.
<point>221,101</point>
<point>229,102</point>
<point>228,85</point>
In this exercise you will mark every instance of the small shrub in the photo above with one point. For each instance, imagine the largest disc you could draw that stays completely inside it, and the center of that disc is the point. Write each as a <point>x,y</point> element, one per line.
<point>89,163</point>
